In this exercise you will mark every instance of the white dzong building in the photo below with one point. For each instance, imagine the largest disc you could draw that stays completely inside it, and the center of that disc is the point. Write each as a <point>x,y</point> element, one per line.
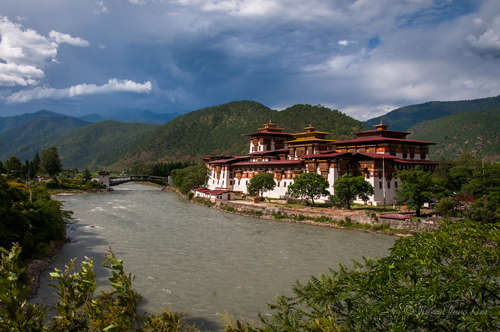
<point>377,155</point>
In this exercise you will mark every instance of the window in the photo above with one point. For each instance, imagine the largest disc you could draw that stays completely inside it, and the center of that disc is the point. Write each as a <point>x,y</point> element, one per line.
<point>388,185</point>
<point>230,182</point>
<point>278,184</point>
<point>396,185</point>
<point>380,185</point>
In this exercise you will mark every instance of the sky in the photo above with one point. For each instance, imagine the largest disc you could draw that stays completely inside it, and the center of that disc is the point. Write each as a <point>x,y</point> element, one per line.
<point>362,57</point>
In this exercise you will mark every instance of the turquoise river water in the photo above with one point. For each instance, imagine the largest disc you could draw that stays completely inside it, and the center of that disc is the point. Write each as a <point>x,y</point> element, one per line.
<point>189,257</point>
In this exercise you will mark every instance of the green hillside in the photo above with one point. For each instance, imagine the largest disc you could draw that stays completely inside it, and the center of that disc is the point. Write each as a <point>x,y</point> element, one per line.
<point>408,116</point>
<point>100,144</point>
<point>37,134</point>
<point>10,122</point>
<point>219,130</point>
<point>477,133</point>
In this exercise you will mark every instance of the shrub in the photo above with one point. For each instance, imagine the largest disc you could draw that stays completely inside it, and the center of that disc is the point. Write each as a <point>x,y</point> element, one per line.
<point>322,219</point>
<point>279,215</point>
<point>78,308</point>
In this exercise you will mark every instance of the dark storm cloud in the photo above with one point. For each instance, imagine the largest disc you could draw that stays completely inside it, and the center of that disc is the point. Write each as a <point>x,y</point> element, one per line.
<point>362,57</point>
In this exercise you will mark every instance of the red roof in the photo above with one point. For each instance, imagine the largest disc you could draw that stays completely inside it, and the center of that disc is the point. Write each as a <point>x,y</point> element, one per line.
<point>381,132</point>
<point>264,163</point>
<point>428,162</point>
<point>211,192</point>
<point>225,161</point>
<point>381,139</point>
<point>268,133</point>
<point>339,154</point>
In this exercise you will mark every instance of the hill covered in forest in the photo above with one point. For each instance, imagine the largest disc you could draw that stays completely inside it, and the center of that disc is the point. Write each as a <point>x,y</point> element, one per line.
<point>100,144</point>
<point>219,130</point>
<point>36,134</point>
<point>405,117</point>
<point>472,132</point>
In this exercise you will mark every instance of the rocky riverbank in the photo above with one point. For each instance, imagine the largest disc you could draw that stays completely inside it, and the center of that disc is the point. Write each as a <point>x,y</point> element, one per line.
<point>338,218</point>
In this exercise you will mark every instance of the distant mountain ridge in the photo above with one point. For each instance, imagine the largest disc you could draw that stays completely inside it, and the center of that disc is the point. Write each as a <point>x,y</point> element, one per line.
<point>477,133</point>
<point>10,122</point>
<point>133,115</point>
<point>37,134</point>
<point>405,117</point>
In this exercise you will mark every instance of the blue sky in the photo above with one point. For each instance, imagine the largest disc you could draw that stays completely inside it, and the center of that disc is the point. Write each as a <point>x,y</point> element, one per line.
<point>362,57</point>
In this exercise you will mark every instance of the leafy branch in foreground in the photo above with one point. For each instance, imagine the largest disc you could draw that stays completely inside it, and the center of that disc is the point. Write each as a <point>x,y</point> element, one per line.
<point>78,309</point>
<point>441,281</point>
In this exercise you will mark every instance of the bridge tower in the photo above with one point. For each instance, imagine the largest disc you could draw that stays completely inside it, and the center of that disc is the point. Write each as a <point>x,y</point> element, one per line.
<point>104,178</point>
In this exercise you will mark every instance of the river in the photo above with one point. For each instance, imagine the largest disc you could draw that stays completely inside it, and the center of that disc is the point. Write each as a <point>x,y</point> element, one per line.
<point>190,257</point>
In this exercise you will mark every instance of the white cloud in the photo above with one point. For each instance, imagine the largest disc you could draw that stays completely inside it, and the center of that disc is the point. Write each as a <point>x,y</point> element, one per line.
<point>65,38</point>
<point>113,85</point>
<point>25,52</point>
<point>343,42</point>
<point>12,74</point>
<point>24,47</point>
<point>101,8</point>
<point>488,43</point>
<point>137,2</point>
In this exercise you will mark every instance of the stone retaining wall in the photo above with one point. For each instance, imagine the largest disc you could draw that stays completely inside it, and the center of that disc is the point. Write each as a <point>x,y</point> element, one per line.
<point>357,217</point>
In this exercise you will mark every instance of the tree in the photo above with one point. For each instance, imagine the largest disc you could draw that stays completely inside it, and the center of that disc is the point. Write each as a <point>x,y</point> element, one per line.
<point>441,281</point>
<point>13,166</point>
<point>31,223</point>
<point>50,162</point>
<point>446,206</point>
<point>417,188</point>
<point>348,187</point>
<point>2,168</point>
<point>485,181</point>
<point>187,178</point>
<point>309,185</point>
<point>36,162</point>
<point>261,183</point>
<point>484,210</point>
<point>86,175</point>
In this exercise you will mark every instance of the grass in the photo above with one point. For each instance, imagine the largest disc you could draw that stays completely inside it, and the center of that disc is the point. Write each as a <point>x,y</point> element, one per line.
<point>204,201</point>
<point>152,184</point>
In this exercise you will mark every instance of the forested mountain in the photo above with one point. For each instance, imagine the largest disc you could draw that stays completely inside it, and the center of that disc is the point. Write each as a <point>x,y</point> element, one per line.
<point>219,130</point>
<point>24,140</point>
<point>477,133</point>
<point>100,144</point>
<point>408,116</point>
<point>132,115</point>
<point>10,122</point>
